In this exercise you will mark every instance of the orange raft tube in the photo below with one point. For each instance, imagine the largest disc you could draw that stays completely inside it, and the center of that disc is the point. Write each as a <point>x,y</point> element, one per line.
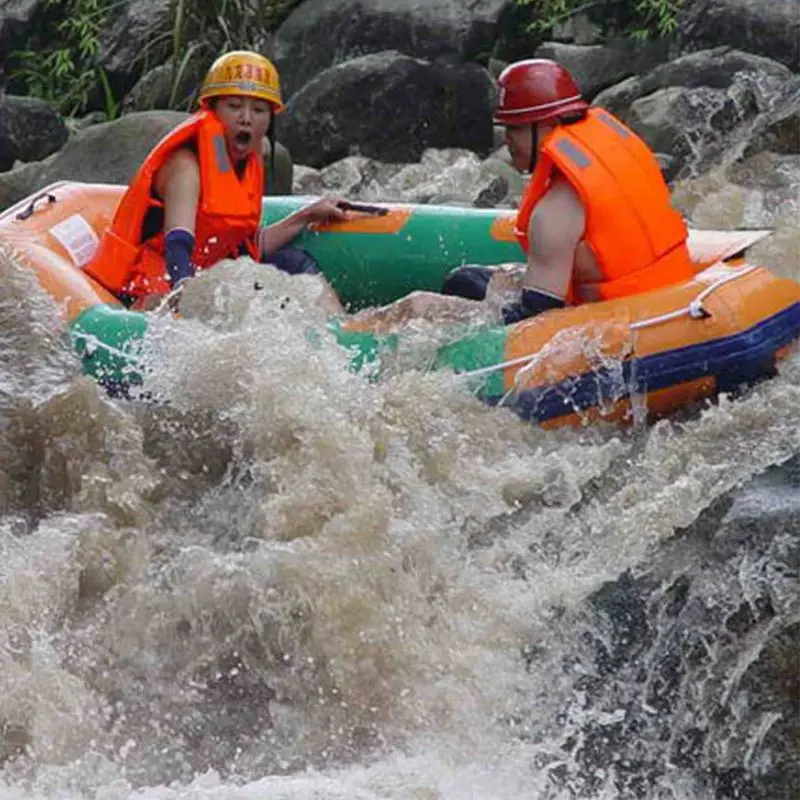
<point>653,353</point>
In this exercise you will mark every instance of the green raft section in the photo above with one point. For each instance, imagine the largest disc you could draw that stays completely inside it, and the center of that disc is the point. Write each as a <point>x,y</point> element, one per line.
<point>365,269</point>
<point>368,269</point>
<point>106,339</point>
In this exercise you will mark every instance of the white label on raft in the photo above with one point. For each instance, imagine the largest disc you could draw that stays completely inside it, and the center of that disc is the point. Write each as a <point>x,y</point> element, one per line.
<point>78,238</point>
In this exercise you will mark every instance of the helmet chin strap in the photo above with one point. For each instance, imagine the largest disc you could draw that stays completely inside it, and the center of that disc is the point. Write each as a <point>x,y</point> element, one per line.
<point>534,148</point>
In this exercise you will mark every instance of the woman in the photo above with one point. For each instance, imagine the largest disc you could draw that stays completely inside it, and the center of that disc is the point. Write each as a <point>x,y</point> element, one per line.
<point>196,199</point>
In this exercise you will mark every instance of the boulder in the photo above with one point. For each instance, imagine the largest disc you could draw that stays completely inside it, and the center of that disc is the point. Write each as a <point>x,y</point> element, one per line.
<point>321,33</point>
<point>717,68</point>
<point>597,67</point>
<point>690,671</point>
<point>30,129</point>
<point>704,108</point>
<point>16,17</point>
<point>769,29</point>
<point>110,153</point>
<point>779,131</point>
<point>390,107</point>
<point>127,41</point>
<point>446,176</point>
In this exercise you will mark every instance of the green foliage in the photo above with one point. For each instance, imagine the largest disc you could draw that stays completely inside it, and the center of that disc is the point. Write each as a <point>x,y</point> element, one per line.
<point>640,19</point>
<point>227,24</point>
<point>68,76</point>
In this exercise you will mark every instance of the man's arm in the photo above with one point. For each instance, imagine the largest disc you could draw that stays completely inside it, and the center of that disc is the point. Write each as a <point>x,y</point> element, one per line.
<point>555,230</point>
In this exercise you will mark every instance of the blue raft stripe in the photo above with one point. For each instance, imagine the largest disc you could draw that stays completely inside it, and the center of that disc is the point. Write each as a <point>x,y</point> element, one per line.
<point>735,360</point>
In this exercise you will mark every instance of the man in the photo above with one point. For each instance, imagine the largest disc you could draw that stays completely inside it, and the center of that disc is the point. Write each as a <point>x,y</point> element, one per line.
<point>595,220</point>
<point>196,199</point>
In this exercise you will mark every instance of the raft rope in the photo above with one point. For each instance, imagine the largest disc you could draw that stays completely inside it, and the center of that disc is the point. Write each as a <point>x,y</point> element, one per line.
<point>92,344</point>
<point>694,310</point>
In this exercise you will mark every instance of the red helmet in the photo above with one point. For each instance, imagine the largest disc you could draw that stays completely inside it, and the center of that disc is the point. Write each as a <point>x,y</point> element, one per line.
<point>536,90</point>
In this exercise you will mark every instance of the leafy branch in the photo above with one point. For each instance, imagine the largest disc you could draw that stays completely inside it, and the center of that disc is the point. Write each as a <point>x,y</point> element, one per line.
<point>68,76</point>
<point>640,19</point>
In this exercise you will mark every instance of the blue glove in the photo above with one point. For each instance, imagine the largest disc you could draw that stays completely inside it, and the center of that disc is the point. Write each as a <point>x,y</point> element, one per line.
<point>531,303</point>
<point>179,244</point>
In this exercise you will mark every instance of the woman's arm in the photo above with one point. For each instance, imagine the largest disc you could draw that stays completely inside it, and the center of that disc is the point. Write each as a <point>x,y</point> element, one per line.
<point>273,237</point>
<point>177,183</point>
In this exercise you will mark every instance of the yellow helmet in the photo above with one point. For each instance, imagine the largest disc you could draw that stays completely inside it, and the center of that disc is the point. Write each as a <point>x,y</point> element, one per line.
<point>243,72</point>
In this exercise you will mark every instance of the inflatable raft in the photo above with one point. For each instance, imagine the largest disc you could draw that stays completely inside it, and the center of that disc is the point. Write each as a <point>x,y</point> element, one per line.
<point>654,353</point>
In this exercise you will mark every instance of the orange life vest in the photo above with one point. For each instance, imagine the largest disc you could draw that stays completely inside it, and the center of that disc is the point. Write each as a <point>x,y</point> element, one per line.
<point>228,213</point>
<point>636,237</point>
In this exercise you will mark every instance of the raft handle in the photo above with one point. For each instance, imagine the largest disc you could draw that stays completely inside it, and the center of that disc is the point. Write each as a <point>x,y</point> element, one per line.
<point>28,212</point>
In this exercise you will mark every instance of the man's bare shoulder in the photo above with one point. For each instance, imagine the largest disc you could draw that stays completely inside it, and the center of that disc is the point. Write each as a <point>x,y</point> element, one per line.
<point>562,196</point>
<point>560,211</point>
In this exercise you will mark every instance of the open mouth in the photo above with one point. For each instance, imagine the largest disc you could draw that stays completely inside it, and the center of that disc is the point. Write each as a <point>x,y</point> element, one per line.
<point>243,138</point>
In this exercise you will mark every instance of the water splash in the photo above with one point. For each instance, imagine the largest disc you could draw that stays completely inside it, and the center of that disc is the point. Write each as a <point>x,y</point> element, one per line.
<point>281,579</point>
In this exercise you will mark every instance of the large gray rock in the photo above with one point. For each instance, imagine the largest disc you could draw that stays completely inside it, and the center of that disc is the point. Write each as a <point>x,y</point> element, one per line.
<point>163,87</point>
<point>449,176</point>
<point>127,40</point>
<point>769,29</point>
<point>655,120</point>
<point>689,674</point>
<point>705,108</point>
<point>758,192</point>
<point>321,33</point>
<point>717,68</point>
<point>390,107</point>
<point>779,132</point>
<point>16,17</point>
<point>109,153</point>
<point>30,130</point>
<point>597,67</point>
